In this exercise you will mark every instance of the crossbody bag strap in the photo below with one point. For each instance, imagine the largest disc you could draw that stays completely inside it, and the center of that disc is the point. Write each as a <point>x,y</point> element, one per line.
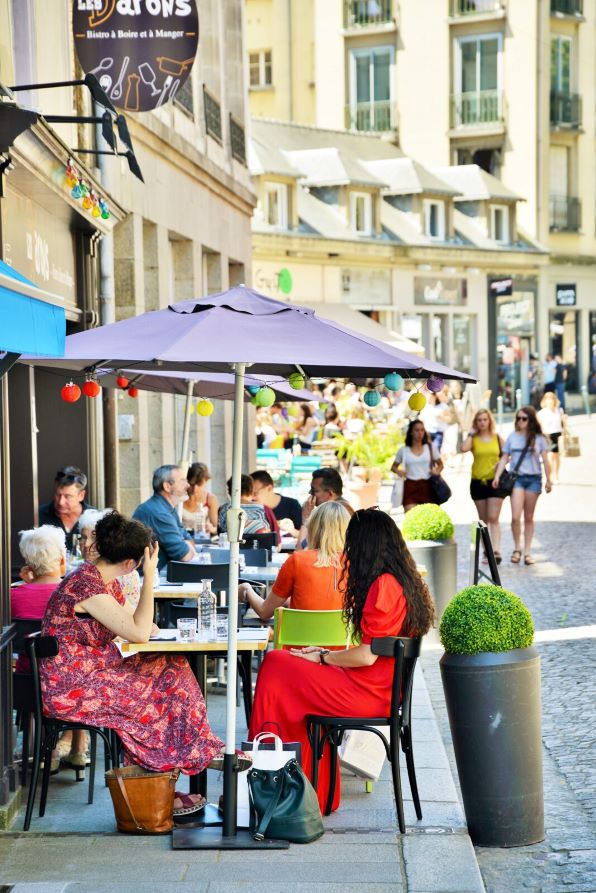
<point>521,458</point>
<point>268,814</point>
<point>122,787</point>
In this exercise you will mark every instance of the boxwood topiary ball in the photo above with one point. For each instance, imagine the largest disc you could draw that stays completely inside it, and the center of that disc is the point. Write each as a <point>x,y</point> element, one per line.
<point>485,618</point>
<point>427,522</point>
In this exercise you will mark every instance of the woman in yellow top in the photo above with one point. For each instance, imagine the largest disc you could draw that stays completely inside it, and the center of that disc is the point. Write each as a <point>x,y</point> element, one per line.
<point>486,447</point>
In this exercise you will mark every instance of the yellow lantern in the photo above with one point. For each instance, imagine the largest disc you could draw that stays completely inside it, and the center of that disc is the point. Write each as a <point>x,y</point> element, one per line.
<point>205,407</point>
<point>417,401</point>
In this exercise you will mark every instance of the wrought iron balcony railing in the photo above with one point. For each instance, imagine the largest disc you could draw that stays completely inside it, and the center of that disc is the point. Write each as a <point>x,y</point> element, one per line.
<point>568,7</point>
<point>237,140</point>
<point>212,116</point>
<point>565,110</point>
<point>364,13</point>
<point>482,107</point>
<point>475,7</point>
<point>565,213</point>
<point>379,117</point>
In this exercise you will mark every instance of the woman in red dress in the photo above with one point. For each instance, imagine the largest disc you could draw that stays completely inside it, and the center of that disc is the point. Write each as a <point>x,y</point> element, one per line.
<point>384,596</point>
<point>152,701</point>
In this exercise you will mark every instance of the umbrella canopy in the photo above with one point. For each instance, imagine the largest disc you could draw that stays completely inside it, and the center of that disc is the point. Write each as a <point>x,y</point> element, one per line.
<point>240,325</point>
<point>214,385</point>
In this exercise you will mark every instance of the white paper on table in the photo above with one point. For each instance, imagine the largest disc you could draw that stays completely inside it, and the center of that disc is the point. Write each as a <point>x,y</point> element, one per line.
<point>258,634</point>
<point>168,635</point>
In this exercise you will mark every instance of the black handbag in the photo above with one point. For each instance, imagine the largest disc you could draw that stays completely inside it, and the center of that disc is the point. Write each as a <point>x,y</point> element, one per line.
<point>439,486</point>
<point>284,805</point>
<point>509,477</point>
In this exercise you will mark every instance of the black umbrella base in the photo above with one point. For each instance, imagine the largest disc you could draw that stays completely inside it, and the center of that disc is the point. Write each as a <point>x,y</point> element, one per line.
<point>211,838</point>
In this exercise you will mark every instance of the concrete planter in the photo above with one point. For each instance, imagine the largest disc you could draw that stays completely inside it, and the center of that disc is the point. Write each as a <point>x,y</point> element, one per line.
<point>440,560</point>
<point>362,490</point>
<point>493,703</point>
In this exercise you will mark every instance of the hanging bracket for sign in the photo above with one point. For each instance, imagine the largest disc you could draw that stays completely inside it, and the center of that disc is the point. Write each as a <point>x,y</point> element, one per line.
<point>141,51</point>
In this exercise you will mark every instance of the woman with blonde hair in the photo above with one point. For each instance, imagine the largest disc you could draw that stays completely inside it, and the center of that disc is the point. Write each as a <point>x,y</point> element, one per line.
<point>552,420</point>
<point>486,447</point>
<point>310,577</point>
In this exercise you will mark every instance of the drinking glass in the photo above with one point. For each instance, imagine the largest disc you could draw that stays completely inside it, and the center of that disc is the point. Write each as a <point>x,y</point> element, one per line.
<point>187,628</point>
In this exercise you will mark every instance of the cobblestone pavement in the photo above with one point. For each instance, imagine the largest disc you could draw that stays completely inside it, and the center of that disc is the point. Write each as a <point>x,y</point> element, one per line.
<point>560,593</point>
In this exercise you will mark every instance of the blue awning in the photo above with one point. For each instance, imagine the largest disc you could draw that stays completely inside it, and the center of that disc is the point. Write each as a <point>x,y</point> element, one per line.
<point>29,323</point>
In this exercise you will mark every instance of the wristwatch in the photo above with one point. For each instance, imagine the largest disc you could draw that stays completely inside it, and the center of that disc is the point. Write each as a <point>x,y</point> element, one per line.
<point>322,653</point>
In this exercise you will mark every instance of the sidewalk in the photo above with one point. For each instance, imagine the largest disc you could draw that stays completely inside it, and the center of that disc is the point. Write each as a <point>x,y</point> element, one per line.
<point>74,847</point>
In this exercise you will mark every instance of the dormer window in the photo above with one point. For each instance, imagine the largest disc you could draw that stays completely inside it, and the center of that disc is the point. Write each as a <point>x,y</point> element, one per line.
<point>276,205</point>
<point>361,213</point>
<point>434,219</point>
<point>499,224</point>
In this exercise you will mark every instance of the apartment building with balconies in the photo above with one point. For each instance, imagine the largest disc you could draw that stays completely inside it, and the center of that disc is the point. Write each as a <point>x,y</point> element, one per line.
<point>508,86</point>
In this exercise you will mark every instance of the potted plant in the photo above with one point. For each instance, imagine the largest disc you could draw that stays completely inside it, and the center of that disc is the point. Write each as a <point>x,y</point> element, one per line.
<point>491,679</point>
<point>428,531</point>
<point>370,455</point>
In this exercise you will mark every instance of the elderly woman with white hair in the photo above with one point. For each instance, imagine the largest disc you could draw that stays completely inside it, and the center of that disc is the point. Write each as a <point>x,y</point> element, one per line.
<point>44,552</point>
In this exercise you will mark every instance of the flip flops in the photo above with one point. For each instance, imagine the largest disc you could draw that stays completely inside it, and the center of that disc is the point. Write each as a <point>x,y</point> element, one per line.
<point>516,556</point>
<point>529,560</point>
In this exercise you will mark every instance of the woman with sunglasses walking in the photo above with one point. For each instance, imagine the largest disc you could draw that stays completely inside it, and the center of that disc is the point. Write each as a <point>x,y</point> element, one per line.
<point>525,448</point>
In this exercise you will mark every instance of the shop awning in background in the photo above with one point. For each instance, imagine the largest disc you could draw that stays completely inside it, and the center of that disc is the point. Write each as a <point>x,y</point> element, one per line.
<point>364,325</point>
<point>31,319</point>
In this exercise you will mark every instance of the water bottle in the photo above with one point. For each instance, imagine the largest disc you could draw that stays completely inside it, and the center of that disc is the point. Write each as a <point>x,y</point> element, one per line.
<point>207,615</point>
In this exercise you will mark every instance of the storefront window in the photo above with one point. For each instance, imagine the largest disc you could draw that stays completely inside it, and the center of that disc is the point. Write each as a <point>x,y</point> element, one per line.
<point>563,343</point>
<point>463,338</point>
<point>439,329</point>
<point>515,324</point>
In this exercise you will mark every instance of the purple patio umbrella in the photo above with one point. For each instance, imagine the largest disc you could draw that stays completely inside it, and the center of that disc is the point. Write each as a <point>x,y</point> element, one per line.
<point>236,330</point>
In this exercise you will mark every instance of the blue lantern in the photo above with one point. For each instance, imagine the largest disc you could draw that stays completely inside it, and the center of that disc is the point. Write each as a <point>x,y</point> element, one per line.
<point>372,398</point>
<point>252,389</point>
<point>394,381</point>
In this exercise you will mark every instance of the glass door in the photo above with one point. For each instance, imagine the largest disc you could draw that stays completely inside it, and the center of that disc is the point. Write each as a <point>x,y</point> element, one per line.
<point>563,335</point>
<point>371,89</point>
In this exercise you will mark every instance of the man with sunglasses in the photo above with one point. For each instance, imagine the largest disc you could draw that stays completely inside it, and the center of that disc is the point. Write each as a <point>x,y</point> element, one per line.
<point>68,503</point>
<point>326,486</point>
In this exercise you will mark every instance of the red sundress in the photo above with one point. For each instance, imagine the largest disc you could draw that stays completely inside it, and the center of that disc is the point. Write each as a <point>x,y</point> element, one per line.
<point>152,701</point>
<point>288,687</point>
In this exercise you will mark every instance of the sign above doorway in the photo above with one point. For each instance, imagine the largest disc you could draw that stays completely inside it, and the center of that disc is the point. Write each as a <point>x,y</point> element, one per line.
<point>566,295</point>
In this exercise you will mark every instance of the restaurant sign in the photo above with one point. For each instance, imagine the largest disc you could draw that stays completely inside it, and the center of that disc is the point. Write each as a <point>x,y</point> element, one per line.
<point>141,51</point>
<point>432,290</point>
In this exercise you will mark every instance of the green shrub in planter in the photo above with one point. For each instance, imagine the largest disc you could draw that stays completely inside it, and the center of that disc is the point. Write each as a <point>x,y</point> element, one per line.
<point>427,522</point>
<point>485,618</point>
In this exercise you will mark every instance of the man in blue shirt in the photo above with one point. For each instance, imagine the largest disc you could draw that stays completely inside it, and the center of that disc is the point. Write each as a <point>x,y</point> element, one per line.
<point>160,513</point>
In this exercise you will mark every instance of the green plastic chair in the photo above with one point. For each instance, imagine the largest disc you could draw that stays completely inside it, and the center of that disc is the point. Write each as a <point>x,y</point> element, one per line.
<point>294,627</point>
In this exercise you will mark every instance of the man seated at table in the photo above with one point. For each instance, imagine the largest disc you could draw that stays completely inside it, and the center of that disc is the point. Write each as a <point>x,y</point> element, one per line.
<point>326,486</point>
<point>288,511</point>
<point>160,513</point>
<point>257,518</point>
<point>68,503</point>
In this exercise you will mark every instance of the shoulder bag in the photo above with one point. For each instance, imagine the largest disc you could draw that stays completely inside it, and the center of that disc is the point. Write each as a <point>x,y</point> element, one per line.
<point>143,801</point>
<point>284,805</point>
<point>509,477</point>
<point>439,486</point>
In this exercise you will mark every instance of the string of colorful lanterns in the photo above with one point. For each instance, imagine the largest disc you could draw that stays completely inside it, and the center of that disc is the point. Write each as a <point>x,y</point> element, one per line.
<point>262,395</point>
<point>80,190</point>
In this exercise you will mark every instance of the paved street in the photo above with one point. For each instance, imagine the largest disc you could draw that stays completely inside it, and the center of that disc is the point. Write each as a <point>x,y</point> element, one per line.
<point>559,592</point>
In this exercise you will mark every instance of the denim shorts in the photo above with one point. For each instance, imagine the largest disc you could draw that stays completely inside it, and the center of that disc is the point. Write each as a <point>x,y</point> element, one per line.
<point>531,482</point>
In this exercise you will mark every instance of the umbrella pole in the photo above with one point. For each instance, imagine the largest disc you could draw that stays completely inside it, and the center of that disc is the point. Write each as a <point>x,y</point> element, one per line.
<point>186,430</point>
<point>227,838</point>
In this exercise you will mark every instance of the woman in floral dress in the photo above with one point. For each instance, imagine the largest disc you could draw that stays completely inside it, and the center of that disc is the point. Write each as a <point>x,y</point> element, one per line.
<point>153,702</point>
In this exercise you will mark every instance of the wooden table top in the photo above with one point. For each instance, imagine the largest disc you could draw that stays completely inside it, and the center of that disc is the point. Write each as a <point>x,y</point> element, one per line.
<point>175,647</point>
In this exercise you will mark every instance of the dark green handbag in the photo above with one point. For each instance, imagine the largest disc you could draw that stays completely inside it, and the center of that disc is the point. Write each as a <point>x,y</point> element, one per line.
<point>284,805</point>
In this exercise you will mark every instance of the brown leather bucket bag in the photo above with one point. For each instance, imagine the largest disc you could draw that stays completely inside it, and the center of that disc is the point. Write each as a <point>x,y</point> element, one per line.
<point>143,801</point>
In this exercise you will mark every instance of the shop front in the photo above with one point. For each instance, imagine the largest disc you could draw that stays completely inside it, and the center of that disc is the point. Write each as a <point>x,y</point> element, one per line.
<point>512,332</point>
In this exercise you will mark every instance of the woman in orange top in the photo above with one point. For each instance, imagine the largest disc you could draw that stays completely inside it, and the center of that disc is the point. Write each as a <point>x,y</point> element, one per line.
<point>310,577</point>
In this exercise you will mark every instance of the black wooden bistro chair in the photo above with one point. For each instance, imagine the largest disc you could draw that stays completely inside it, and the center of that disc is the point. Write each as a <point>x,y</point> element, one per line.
<point>330,730</point>
<point>22,689</point>
<point>47,730</point>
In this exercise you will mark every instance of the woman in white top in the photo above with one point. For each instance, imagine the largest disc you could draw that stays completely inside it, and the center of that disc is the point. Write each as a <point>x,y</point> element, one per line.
<point>415,462</point>
<point>552,421</point>
<point>527,436</point>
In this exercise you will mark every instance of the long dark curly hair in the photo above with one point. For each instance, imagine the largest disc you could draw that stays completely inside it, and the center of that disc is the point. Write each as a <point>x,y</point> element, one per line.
<point>375,546</point>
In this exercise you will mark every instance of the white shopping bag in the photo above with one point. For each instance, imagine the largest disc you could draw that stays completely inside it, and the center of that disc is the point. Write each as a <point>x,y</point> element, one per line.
<point>268,751</point>
<point>397,493</point>
<point>363,753</point>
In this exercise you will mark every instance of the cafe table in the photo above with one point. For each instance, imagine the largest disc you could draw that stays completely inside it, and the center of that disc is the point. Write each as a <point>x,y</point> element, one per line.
<point>249,641</point>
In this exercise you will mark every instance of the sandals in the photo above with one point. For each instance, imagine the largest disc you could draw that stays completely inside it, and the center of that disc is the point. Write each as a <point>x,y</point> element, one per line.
<point>188,804</point>
<point>244,762</point>
<point>498,557</point>
<point>529,560</point>
<point>516,556</point>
